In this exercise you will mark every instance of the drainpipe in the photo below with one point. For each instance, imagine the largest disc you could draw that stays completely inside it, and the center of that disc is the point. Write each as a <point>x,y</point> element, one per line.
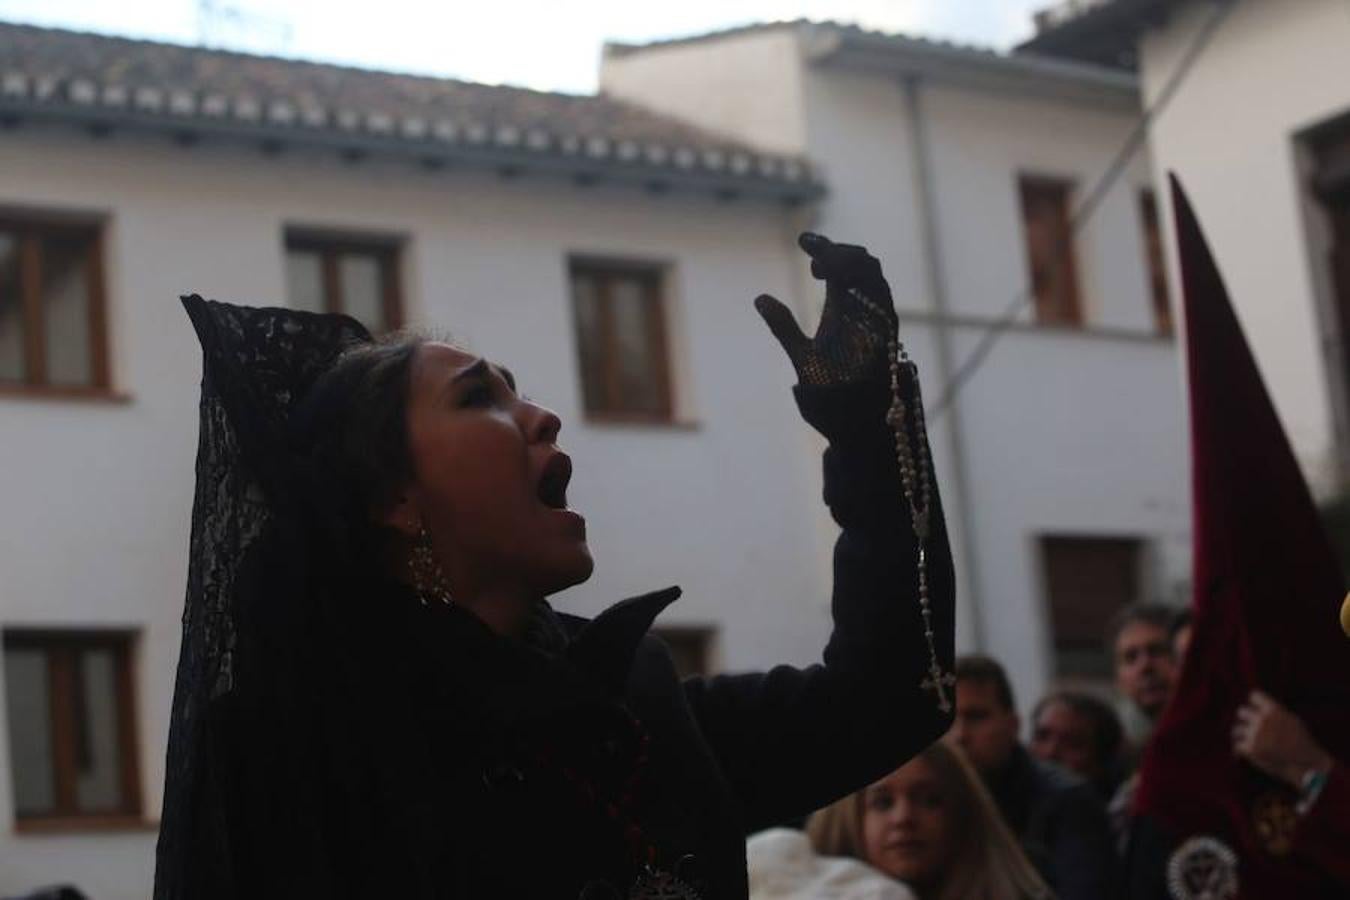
<point>958,483</point>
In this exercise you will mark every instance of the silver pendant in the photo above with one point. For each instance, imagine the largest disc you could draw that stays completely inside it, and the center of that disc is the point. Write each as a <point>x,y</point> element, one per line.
<point>1203,868</point>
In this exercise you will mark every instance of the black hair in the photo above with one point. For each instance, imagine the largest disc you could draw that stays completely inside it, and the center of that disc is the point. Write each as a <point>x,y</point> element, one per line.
<point>351,432</point>
<point>1108,735</point>
<point>1158,615</point>
<point>986,670</point>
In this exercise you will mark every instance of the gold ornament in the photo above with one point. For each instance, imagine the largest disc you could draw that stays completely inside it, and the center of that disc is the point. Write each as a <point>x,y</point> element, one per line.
<point>1275,820</point>
<point>427,576</point>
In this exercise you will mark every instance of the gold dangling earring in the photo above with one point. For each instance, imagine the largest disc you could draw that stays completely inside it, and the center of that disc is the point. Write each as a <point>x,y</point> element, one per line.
<point>427,576</point>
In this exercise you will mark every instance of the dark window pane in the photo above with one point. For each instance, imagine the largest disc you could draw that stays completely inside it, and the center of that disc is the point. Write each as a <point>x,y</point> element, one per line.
<point>69,724</point>
<point>362,289</point>
<point>304,280</point>
<point>1087,580</point>
<point>28,702</point>
<point>98,785</point>
<point>621,343</point>
<point>66,299</point>
<point>344,275</point>
<point>1050,251</point>
<point>640,388</point>
<point>590,341</point>
<point>11,310</point>
<point>689,649</point>
<point>1153,259</point>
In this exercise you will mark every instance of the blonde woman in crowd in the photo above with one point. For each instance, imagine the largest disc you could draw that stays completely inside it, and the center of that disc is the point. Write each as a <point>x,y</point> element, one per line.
<point>932,825</point>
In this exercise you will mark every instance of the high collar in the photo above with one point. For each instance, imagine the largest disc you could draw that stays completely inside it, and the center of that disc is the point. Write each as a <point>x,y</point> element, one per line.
<point>605,646</point>
<point>512,682</point>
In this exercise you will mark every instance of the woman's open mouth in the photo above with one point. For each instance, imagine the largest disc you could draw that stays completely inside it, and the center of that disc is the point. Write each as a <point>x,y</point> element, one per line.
<point>552,488</point>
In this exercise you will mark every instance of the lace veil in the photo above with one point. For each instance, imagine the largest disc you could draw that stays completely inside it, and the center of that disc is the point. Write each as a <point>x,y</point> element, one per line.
<point>256,364</point>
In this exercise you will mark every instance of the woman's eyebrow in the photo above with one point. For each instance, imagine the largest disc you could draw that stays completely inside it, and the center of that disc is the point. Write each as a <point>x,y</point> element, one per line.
<point>477,369</point>
<point>480,369</point>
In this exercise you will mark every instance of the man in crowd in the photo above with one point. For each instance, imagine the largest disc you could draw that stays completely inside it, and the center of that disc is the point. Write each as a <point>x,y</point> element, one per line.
<point>1082,734</point>
<point>1140,640</point>
<point>1057,816</point>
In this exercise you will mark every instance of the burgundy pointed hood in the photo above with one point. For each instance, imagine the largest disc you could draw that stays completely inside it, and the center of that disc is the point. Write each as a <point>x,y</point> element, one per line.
<point>1267,589</point>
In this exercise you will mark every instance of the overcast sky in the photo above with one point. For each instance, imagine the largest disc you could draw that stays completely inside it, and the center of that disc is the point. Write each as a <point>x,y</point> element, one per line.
<point>546,44</point>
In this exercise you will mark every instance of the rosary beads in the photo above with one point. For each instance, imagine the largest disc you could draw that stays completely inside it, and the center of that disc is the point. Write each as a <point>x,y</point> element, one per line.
<point>916,485</point>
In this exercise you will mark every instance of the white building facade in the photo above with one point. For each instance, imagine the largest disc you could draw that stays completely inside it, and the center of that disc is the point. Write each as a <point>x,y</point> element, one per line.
<point>491,212</point>
<point>1062,458</point>
<point>1259,133</point>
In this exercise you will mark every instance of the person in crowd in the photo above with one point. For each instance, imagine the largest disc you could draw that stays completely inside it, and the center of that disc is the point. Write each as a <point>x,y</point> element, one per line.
<point>1139,638</point>
<point>1056,815</point>
<point>375,698</point>
<point>1081,733</point>
<point>932,825</point>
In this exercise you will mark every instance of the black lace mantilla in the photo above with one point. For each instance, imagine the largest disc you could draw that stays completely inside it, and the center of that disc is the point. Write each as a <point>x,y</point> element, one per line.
<point>256,363</point>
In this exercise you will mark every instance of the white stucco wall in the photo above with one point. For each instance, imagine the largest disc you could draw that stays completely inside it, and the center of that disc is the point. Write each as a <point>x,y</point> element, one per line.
<point>744,84</point>
<point>1271,71</point>
<point>1065,432</point>
<point>94,526</point>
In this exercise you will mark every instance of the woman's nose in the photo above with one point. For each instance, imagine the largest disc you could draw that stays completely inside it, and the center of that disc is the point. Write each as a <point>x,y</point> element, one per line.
<point>542,425</point>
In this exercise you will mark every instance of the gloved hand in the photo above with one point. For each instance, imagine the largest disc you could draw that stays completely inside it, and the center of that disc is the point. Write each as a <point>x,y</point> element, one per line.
<point>851,342</point>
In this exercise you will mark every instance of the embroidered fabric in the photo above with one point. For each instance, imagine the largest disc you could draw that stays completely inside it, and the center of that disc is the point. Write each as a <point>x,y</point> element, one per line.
<point>256,364</point>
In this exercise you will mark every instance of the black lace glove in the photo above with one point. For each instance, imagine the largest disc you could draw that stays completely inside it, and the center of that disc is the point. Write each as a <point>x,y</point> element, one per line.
<point>851,343</point>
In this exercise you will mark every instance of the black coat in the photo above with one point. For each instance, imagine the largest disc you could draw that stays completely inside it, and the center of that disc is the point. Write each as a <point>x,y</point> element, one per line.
<point>460,764</point>
<point>1061,823</point>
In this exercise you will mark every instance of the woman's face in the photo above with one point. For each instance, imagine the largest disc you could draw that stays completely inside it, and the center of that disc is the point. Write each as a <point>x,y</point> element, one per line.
<point>489,481</point>
<point>907,824</point>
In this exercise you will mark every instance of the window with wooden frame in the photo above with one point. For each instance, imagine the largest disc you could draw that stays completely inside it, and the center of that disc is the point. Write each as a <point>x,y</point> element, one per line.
<point>53,320</point>
<point>72,741</point>
<point>1329,146</point>
<point>619,313</point>
<point>690,648</point>
<point>1156,265</point>
<point>339,274</point>
<point>1087,579</point>
<point>1048,229</point>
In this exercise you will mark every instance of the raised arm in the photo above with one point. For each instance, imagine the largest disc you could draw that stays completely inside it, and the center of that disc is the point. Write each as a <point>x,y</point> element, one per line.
<point>793,740</point>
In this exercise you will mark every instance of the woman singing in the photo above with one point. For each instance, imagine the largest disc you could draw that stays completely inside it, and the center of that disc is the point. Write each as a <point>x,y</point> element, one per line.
<point>375,699</point>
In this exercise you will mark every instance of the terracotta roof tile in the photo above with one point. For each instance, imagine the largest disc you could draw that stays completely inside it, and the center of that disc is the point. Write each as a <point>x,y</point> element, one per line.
<point>44,70</point>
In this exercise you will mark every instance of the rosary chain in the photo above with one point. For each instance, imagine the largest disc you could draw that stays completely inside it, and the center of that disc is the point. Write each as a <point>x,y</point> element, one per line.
<point>916,485</point>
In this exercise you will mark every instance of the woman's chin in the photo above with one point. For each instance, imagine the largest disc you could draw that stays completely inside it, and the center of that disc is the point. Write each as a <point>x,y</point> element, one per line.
<point>571,568</point>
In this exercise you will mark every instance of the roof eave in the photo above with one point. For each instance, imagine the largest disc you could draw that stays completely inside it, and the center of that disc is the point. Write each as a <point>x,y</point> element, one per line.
<point>1108,31</point>
<point>507,151</point>
<point>1023,74</point>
